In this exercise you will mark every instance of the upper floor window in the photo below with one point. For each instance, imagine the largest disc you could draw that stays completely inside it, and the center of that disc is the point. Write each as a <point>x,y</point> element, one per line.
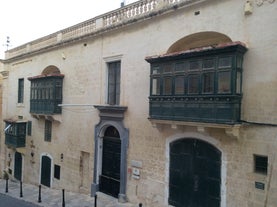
<point>114,83</point>
<point>20,97</point>
<point>214,74</point>
<point>46,92</point>
<point>48,131</point>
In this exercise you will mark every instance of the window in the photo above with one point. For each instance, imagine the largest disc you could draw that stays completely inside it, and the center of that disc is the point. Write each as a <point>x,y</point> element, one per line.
<point>57,171</point>
<point>260,164</point>
<point>211,74</point>
<point>20,90</point>
<point>238,87</point>
<point>167,86</point>
<point>208,83</point>
<point>113,83</point>
<point>225,62</point>
<point>16,129</point>
<point>224,82</point>
<point>48,131</point>
<point>179,85</point>
<point>193,84</point>
<point>155,86</point>
<point>29,128</point>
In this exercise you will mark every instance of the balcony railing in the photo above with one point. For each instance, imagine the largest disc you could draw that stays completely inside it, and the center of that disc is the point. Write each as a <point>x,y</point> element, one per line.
<point>123,15</point>
<point>45,107</point>
<point>15,141</point>
<point>210,109</point>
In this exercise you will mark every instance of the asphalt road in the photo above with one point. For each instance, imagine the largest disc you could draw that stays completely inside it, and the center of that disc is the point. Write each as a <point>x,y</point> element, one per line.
<point>7,201</point>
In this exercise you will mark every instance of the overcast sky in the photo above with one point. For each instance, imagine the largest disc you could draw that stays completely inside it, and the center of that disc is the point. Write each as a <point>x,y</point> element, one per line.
<point>27,20</point>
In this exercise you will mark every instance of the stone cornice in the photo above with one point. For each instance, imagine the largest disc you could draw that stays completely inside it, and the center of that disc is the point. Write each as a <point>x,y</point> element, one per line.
<point>128,15</point>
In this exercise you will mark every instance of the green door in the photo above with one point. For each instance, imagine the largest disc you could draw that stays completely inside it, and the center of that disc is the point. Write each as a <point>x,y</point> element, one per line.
<point>195,174</point>
<point>110,176</point>
<point>45,171</point>
<point>18,166</point>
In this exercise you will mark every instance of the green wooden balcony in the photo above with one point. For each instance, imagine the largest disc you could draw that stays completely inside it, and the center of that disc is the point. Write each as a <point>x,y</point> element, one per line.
<point>203,85</point>
<point>15,133</point>
<point>46,94</point>
<point>15,141</point>
<point>211,109</point>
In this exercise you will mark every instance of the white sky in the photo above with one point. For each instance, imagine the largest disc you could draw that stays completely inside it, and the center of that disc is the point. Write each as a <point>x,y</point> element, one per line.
<point>27,20</point>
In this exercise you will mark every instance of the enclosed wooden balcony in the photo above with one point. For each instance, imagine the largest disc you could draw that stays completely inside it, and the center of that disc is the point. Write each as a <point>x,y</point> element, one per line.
<point>201,85</point>
<point>15,133</point>
<point>46,94</point>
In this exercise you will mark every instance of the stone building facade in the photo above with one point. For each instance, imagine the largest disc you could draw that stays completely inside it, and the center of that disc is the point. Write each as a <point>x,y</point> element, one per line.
<point>163,102</point>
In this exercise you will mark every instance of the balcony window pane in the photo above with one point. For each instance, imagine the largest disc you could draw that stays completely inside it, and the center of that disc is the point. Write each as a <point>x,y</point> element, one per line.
<point>238,85</point>
<point>167,68</point>
<point>208,64</point>
<point>181,66</point>
<point>224,82</point>
<point>193,84</point>
<point>179,85</point>
<point>167,90</point>
<point>208,83</point>
<point>155,70</point>
<point>195,65</point>
<point>225,62</point>
<point>58,89</point>
<point>155,86</point>
<point>239,62</point>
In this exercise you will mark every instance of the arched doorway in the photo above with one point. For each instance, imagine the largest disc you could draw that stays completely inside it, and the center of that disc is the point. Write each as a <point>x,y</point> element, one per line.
<point>45,171</point>
<point>194,174</point>
<point>111,125</point>
<point>109,180</point>
<point>18,166</point>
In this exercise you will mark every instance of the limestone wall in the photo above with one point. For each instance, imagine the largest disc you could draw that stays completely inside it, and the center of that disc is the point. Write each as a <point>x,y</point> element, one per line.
<point>84,64</point>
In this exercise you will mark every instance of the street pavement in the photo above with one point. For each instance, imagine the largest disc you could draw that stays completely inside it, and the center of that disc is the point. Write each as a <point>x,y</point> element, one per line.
<point>8,201</point>
<point>53,198</point>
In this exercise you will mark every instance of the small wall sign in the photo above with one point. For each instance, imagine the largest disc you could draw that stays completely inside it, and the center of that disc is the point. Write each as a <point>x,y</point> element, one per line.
<point>259,185</point>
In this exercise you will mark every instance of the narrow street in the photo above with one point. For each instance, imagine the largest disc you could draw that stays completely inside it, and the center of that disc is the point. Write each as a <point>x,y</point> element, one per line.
<point>9,201</point>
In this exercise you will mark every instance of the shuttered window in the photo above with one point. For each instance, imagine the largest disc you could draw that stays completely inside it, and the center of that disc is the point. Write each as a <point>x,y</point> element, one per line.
<point>114,83</point>
<point>48,131</point>
<point>20,90</point>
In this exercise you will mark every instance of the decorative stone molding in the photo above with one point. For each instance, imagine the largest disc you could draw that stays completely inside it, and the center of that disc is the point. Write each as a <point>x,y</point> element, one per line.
<point>260,2</point>
<point>111,116</point>
<point>5,74</point>
<point>232,130</point>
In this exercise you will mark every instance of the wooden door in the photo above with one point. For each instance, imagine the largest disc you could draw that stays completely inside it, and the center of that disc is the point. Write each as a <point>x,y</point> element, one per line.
<point>110,176</point>
<point>18,166</point>
<point>195,174</point>
<point>45,171</point>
